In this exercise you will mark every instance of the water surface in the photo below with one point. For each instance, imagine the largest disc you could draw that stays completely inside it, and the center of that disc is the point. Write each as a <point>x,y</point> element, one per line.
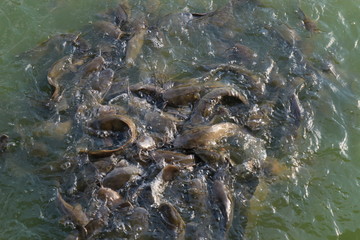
<point>317,200</point>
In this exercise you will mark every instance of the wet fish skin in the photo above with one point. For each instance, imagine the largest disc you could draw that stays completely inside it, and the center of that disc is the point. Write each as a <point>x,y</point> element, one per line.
<point>172,157</point>
<point>111,197</point>
<point>76,214</point>
<point>169,172</point>
<point>107,123</point>
<point>242,52</point>
<point>309,24</point>
<point>94,65</point>
<point>118,177</point>
<point>288,34</point>
<point>151,90</point>
<point>181,95</point>
<point>57,70</point>
<point>172,219</point>
<point>3,142</point>
<point>139,221</point>
<point>135,44</point>
<point>295,109</point>
<point>223,199</point>
<point>120,14</point>
<point>109,29</point>
<point>205,136</point>
<point>205,106</point>
<point>103,83</point>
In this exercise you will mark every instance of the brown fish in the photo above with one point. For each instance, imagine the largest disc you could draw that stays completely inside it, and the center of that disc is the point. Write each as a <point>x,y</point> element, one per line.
<point>111,197</point>
<point>309,24</point>
<point>120,14</point>
<point>181,95</point>
<point>206,104</point>
<point>94,65</point>
<point>102,84</point>
<point>57,70</point>
<point>223,199</point>
<point>254,81</point>
<point>113,123</point>
<point>135,44</point>
<point>169,172</point>
<point>118,177</point>
<point>76,214</point>
<point>286,33</point>
<point>219,17</point>
<point>242,52</point>
<point>139,221</point>
<point>151,90</point>
<point>172,218</point>
<point>3,142</point>
<point>172,157</point>
<point>54,44</point>
<point>205,136</point>
<point>109,29</point>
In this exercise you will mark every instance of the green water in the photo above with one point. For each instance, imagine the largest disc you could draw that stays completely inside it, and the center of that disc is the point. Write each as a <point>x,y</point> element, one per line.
<point>318,200</point>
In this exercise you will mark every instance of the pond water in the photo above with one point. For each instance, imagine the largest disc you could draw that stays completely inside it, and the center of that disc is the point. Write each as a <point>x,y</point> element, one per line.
<point>314,197</point>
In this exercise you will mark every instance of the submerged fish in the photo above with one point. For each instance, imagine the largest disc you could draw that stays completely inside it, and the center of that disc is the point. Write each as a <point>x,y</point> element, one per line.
<point>172,219</point>
<point>109,29</point>
<point>309,24</point>
<point>205,136</point>
<point>223,200</point>
<point>75,213</point>
<point>58,69</point>
<point>135,44</point>
<point>114,123</point>
<point>3,142</point>
<point>205,106</point>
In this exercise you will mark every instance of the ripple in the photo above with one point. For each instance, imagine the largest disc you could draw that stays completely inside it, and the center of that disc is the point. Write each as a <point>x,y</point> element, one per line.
<point>319,198</point>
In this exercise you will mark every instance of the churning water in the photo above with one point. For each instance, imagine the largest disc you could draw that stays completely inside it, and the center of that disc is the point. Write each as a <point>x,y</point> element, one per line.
<point>313,191</point>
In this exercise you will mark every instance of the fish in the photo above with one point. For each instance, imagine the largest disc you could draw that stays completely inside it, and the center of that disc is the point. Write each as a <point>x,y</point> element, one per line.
<point>112,123</point>
<point>181,95</point>
<point>57,70</point>
<point>55,44</point>
<point>218,18</point>
<point>169,172</point>
<point>150,90</point>
<point>139,220</point>
<point>223,200</point>
<point>118,177</point>
<point>110,29</point>
<point>120,14</point>
<point>172,218</point>
<point>205,136</point>
<point>94,65</point>
<point>206,104</point>
<point>75,213</point>
<point>309,24</point>
<point>103,83</point>
<point>3,142</point>
<point>172,157</point>
<point>243,53</point>
<point>135,44</point>
<point>287,34</point>
<point>111,197</point>
<point>295,109</point>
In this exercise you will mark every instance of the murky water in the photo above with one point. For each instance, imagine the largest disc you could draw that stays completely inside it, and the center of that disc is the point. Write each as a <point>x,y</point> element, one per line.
<point>314,197</point>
